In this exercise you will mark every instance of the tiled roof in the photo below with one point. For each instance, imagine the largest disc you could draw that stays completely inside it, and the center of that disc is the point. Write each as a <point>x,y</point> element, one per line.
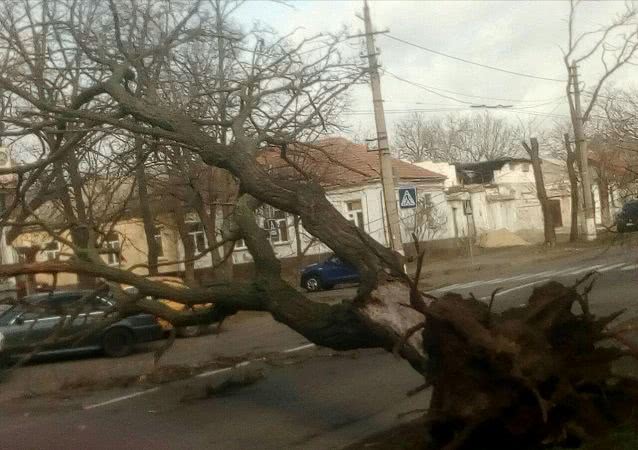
<point>339,162</point>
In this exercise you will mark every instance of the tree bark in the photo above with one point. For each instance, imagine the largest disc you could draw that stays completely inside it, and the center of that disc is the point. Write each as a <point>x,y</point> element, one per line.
<point>148,218</point>
<point>187,243</point>
<point>603,195</point>
<point>548,220</point>
<point>573,188</point>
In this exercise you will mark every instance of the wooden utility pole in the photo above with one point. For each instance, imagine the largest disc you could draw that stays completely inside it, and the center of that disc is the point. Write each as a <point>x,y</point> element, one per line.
<point>581,150</point>
<point>387,178</point>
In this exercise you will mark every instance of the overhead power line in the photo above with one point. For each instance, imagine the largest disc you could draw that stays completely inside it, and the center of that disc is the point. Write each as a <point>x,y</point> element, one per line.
<point>426,88</point>
<point>485,66</point>
<point>434,90</point>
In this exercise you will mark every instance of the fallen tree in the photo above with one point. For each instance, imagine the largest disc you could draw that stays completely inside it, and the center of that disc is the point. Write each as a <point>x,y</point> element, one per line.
<point>489,372</point>
<point>523,378</point>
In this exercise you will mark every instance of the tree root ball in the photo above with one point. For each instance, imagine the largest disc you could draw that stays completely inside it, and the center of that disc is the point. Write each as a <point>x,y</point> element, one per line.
<point>530,377</point>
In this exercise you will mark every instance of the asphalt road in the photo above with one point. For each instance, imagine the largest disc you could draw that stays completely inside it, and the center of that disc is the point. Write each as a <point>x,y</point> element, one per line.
<point>307,397</point>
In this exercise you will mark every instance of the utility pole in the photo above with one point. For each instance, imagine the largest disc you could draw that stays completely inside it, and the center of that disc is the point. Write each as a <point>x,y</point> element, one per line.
<point>581,150</point>
<point>387,177</point>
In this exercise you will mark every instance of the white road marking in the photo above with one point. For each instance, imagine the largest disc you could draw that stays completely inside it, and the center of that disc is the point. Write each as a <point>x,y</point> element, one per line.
<point>210,373</point>
<point>631,267</point>
<point>122,398</point>
<point>612,267</point>
<point>585,269</point>
<point>515,288</point>
<point>297,349</point>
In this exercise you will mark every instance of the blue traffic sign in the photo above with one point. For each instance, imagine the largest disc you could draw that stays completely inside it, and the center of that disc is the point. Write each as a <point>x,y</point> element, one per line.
<point>407,197</point>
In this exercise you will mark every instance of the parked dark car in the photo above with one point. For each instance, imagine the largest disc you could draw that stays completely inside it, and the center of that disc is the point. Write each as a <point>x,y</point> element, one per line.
<point>37,323</point>
<point>627,218</point>
<point>327,274</point>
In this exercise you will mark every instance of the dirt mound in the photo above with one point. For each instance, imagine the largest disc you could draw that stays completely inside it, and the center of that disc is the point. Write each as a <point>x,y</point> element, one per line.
<point>501,238</point>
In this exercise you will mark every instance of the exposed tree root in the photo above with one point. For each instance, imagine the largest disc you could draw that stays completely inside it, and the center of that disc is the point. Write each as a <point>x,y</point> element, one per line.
<point>528,377</point>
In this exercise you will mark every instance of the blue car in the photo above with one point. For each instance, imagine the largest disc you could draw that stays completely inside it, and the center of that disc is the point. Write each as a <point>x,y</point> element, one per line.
<point>327,274</point>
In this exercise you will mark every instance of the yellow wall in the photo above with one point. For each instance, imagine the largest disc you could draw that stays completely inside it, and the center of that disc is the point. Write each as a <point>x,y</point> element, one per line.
<point>132,243</point>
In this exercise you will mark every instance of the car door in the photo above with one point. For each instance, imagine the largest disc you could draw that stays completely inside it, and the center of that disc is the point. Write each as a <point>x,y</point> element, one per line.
<point>28,328</point>
<point>350,273</point>
<point>87,324</point>
<point>340,271</point>
<point>333,271</point>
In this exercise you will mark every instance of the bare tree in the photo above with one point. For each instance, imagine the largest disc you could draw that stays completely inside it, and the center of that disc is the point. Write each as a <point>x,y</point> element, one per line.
<point>548,220</point>
<point>616,45</point>
<point>280,92</point>
<point>478,137</point>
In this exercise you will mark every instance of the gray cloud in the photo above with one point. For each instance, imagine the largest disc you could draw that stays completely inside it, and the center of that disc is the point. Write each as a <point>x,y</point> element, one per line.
<point>523,36</point>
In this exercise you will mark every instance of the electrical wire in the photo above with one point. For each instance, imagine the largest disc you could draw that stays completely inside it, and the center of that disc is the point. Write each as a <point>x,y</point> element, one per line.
<point>385,71</point>
<point>485,66</point>
<point>426,88</point>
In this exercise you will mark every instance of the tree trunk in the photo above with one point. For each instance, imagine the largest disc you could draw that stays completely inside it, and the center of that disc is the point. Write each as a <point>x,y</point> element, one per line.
<point>296,221</point>
<point>187,243</point>
<point>548,220</point>
<point>573,188</point>
<point>148,218</point>
<point>603,195</point>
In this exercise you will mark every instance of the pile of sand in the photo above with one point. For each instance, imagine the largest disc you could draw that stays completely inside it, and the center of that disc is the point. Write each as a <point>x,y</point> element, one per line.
<point>501,238</point>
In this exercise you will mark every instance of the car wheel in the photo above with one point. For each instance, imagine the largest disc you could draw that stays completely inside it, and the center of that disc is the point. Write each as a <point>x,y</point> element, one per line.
<point>312,284</point>
<point>118,342</point>
<point>190,331</point>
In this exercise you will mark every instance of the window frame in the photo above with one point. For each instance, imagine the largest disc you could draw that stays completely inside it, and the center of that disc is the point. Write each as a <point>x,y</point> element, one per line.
<point>279,218</point>
<point>355,215</point>
<point>200,233</point>
<point>159,245</point>
<point>52,254</point>
<point>113,258</point>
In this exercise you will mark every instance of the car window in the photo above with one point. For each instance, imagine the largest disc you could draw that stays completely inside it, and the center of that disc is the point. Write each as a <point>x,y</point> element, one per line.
<point>100,304</point>
<point>61,304</point>
<point>334,260</point>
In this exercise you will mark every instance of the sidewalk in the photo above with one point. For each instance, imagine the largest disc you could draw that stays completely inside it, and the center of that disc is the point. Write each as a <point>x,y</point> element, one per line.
<point>441,271</point>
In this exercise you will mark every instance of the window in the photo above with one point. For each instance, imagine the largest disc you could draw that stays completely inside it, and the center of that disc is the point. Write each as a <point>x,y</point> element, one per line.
<point>196,231</point>
<point>525,167</point>
<point>52,250</point>
<point>427,198</point>
<point>159,243</point>
<point>276,223</point>
<point>240,244</point>
<point>355,214</point>
<point>467,207</point>
<point>112,242</point>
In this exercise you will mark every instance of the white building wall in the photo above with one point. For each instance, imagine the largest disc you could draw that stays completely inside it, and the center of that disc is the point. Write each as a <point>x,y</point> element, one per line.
<point>514,172</point>
<point>449,170</point>
<point>371,197</point>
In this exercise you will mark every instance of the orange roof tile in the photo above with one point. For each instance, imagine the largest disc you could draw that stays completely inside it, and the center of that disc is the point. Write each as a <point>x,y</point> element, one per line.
<point>339,162</point>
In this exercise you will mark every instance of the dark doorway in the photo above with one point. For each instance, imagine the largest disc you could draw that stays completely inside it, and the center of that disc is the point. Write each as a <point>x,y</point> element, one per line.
<point>554,207</point>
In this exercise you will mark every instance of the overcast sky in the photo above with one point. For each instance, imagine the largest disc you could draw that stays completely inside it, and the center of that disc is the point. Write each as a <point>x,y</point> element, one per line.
<point>516,35</point>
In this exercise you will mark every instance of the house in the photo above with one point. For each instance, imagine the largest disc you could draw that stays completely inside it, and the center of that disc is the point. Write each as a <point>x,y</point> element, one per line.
<point>490,195</point>
<point>349,173</point>
<point>351,177</point>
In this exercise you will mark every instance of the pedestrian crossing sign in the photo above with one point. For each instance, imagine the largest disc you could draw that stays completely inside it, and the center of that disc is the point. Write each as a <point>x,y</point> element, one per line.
<point>407,197</point>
